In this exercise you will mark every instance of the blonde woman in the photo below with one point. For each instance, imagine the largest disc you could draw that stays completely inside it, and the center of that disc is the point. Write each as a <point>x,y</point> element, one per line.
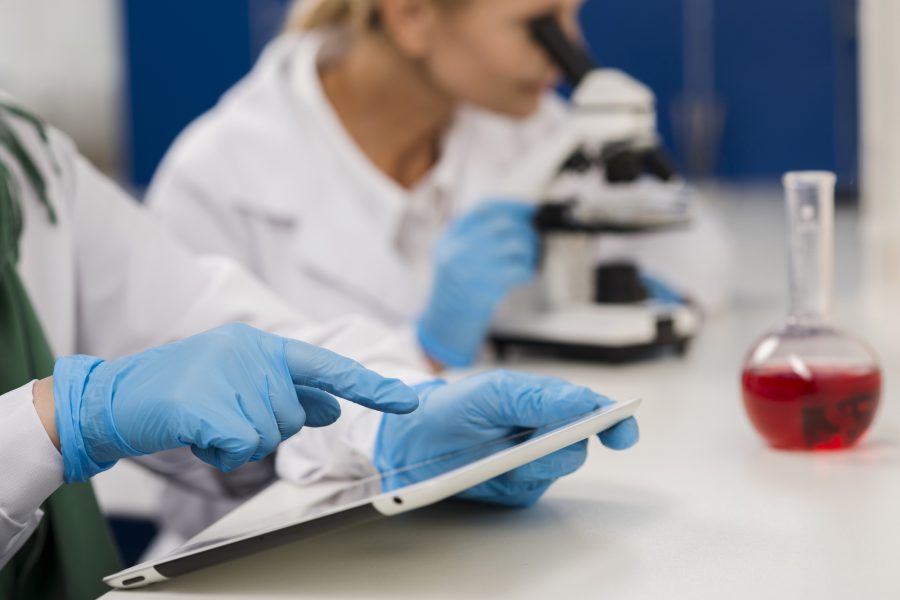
<point>352,170</point>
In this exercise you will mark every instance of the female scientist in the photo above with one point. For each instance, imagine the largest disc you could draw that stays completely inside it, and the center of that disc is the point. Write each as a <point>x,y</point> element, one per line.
<point>82,264</point>
<point>351,169</point>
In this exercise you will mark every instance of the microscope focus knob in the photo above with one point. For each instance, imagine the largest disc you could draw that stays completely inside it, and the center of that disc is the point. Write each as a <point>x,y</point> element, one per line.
<point>618,283</point>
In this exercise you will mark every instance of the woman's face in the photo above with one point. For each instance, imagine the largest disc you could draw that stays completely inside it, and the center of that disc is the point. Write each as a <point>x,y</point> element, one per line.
<point>481,51</point>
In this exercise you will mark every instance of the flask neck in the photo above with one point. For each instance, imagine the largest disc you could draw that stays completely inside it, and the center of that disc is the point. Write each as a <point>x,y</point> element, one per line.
<point>810,208</point>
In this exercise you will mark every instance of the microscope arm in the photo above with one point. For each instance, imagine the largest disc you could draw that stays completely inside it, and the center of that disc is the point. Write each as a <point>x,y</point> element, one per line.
<point>608,107</point>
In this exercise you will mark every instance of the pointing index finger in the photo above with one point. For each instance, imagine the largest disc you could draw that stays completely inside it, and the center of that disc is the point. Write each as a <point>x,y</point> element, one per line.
<point>328,371</point>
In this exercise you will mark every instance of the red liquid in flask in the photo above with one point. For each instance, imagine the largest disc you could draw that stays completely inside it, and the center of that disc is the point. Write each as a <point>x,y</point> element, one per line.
<point>830,408</point>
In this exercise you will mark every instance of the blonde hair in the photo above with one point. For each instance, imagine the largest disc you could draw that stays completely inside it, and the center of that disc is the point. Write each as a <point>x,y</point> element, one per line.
<point>360,15</point>
<point>306,15</point>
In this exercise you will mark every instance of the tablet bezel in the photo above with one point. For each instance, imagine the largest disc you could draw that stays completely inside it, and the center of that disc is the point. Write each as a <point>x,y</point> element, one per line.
<point>377,506</point>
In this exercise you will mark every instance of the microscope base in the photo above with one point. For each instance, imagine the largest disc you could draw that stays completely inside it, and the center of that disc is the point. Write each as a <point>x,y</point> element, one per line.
<point>596,333</point>
<point>617,355</point>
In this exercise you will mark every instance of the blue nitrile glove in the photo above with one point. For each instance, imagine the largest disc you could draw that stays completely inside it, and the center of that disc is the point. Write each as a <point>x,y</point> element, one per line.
<point>232,394</point>
<point>482,256</point>
<point>657,289</point>
<point>487,407</point>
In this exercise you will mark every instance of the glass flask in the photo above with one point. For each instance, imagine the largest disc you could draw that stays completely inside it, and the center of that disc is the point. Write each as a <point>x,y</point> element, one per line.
<point>807,385</point>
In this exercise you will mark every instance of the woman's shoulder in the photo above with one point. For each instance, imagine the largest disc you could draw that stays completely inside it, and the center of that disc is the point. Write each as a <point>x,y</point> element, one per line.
<point>248,116</point>
<point>245,136</point>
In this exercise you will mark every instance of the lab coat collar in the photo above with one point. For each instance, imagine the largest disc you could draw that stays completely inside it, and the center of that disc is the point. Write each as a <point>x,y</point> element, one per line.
<point>367,223</point>
<point>340,237</point>
<point>344,237</point>
<point>284,83</point>
<point>312,50</point>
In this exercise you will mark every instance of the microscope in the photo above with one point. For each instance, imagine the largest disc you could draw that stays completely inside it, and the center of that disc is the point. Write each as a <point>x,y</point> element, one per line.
<point>602,172</point>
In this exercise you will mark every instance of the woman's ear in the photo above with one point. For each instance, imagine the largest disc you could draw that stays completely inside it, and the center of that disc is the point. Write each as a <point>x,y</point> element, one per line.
<point>409,23</point>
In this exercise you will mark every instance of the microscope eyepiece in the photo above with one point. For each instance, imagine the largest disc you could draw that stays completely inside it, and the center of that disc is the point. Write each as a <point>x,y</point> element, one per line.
<point>571,58</point>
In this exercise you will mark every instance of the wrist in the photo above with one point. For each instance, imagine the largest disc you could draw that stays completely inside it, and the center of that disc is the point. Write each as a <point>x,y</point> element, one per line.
<point>452,342</point>
<point>70,382</point>
<point>42,398</point>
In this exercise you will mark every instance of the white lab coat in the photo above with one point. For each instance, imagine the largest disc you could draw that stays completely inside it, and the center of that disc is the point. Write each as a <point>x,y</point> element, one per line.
<point>107,281</point>
<point>271,178</point>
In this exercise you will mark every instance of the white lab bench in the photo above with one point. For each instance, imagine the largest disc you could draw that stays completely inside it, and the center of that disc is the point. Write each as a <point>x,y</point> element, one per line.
<point>699,509</point>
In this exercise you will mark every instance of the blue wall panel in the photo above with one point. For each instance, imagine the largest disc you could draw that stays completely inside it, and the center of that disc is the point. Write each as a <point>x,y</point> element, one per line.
<point>776,72</point>
<point>785,72</point>
<point>181,57</point>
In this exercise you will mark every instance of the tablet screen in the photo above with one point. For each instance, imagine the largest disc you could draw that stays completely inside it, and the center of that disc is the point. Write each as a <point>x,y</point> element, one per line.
<point>330,506</point>
<point>334,497</point>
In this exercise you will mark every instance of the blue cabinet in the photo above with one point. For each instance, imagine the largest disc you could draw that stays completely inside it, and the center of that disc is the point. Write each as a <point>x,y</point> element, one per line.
<point>782,75</point>
<point>180,57</point>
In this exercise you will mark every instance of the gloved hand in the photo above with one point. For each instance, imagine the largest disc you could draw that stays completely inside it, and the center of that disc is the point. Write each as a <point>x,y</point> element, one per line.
<point>484,408</point>
<point>232,394</point>
<point>482,256</point>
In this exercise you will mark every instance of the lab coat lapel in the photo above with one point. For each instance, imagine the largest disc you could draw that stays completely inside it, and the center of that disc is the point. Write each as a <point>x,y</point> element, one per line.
<point>341,243</point>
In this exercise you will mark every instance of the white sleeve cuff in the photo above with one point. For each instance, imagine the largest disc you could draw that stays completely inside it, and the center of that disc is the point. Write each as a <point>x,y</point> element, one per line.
<point>346,449</point>
<point>341,451</point>
<point>30,470</point>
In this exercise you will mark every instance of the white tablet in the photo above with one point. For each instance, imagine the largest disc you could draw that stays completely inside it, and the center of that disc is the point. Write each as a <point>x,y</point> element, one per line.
<point>363,501</point>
